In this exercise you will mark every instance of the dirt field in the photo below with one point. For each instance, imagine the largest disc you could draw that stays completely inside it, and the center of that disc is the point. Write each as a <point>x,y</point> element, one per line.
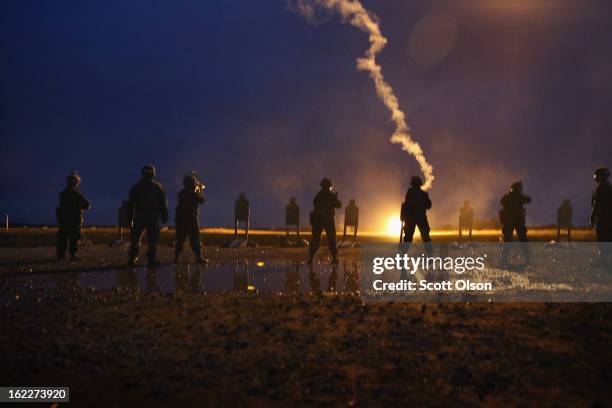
<point>126,347</point>
<point>151,349</point>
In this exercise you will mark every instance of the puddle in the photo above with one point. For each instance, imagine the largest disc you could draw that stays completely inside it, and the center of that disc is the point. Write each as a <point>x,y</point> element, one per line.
<point>256,277</point>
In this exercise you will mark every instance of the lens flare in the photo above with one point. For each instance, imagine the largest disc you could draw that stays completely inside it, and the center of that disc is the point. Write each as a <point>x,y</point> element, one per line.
<point>394,225</point>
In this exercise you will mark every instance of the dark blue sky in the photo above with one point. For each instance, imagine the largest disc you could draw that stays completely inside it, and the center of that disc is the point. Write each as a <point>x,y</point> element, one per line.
<point>258,100</point>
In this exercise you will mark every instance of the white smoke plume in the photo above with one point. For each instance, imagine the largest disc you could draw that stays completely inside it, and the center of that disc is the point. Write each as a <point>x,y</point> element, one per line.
<point>354,12</point>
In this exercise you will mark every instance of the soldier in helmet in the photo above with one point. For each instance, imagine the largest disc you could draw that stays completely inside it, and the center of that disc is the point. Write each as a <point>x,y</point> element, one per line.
<point>187,220</point>
<point>601,216</point>
<point>414,213</point>
<point>147,208</point>
<point>322,218</point>
<point>69,216</point>
<point>512,217</point>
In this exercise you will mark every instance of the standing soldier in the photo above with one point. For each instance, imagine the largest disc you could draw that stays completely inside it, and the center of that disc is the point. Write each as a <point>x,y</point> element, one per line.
<point>564,219</point>
<point>69,216</point>
<point>512,217</point>
<point>601,217</point>
<point>147,206</point>
<point>466,220</point>
<point>322,218</point>
<point>187,220</point>
<point>414,213</point>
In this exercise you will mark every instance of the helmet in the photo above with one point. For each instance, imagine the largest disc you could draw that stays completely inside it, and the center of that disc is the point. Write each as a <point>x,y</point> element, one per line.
<point>326,183</point>
<point>189,180</point>
<point>73,178</point>
<point>148,171</point>
<point>352,202</point>
<point>601,174</point>
<point>416,182</point>
<point>292,200</point>
<point>517,187</point>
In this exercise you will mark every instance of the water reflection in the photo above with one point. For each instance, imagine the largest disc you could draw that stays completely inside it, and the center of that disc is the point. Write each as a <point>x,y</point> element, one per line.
<point>287,275</point>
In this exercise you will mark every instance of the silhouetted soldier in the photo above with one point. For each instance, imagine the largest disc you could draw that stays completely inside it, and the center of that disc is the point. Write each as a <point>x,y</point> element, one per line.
<point>187,217</point>
<point>512,217</point>
<point>466,220</point>
<point>322,218</point>
<point>601,217</point>
<point>147,207</point>
<point>351,218</point>
<point>292,215</point>
<point>242,212</point>
<point>564,219</point>
<point>69,216</point>
<point>414,213</point>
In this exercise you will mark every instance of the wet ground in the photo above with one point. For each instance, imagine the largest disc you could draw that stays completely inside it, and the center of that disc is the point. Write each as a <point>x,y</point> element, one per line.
<point>255,327</point>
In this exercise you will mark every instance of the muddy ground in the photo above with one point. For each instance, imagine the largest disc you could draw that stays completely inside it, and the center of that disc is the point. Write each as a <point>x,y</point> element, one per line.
<point>122,349</point>
<point>124,346</point>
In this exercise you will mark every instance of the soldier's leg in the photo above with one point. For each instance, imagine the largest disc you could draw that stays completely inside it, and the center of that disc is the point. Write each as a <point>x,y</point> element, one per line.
<point>470,234</point>
<point>317,230</point>
<point>153,231</point>
<point>194,241</point>
<point>330,231</point>
<point>409,230</point>
<point>135,234</point>
<point>180,236</point>
<point>75,237</point>
<point>569,233</point>
<point>62,242</point>
<point>424,230</point>
<point>460,233</point>
<point>507,231</point>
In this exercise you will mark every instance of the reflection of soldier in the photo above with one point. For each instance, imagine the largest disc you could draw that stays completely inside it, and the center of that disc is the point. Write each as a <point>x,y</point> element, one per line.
<point>187,220</point>
<point>322,218</point>
<point>466,220</point>
<point>242,212</point>
<point>70,217</point>
<point>351,218</point>
<point>564,219</point>
<point>315,281</point>
<point>414,213</point>
<point>512,217</point>
<point>147,206</point>
<point>351,276</point>
<point>241,277</point>
<point>332,284</point>
<point>292,215</point>
<point>601,217</point>
<point>181,279</point>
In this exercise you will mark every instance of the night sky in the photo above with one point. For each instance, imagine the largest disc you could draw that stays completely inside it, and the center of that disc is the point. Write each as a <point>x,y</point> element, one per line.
<point>256,99</point>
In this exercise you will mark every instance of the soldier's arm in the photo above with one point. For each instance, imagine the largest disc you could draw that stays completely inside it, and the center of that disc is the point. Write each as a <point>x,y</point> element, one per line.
<point>427,201</point>
<point>83,202</point>
<point>526,199</point>
<point>199,196</point>
<point>337,203</point>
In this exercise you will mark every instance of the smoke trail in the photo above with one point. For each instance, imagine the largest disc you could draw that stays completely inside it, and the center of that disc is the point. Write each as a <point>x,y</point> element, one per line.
<point>354,12</point>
